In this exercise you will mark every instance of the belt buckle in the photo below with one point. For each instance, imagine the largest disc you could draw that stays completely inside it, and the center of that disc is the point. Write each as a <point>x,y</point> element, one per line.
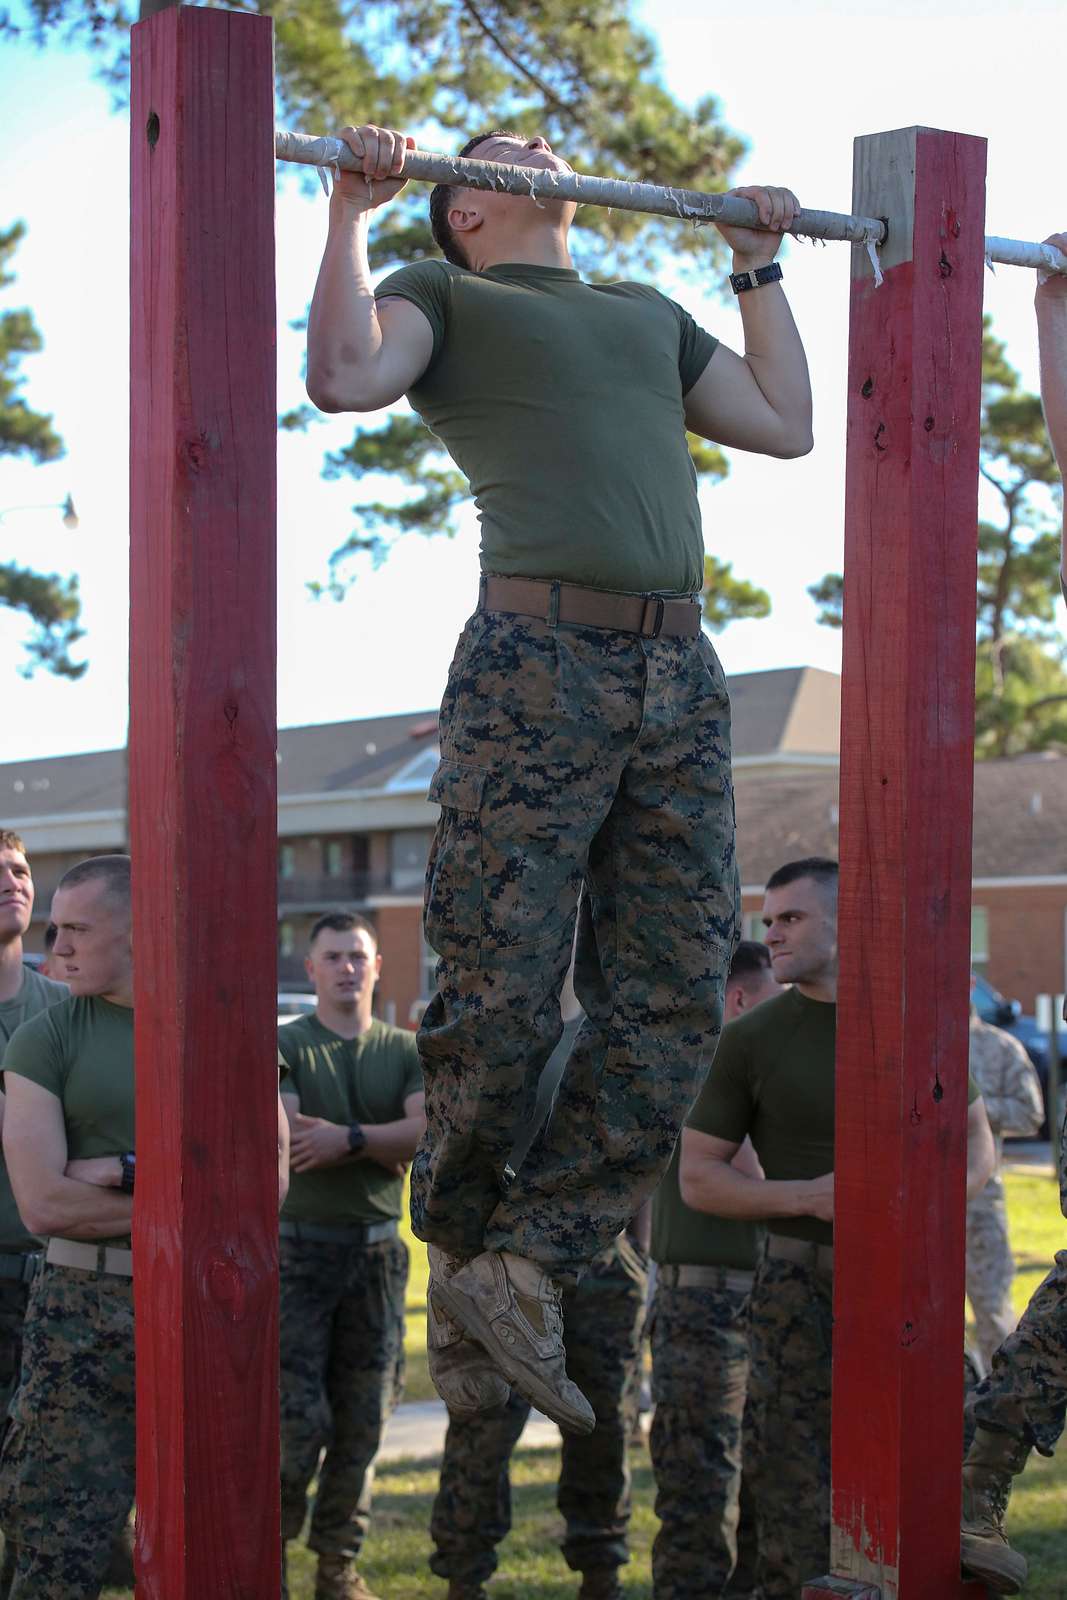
<point>652,632</point>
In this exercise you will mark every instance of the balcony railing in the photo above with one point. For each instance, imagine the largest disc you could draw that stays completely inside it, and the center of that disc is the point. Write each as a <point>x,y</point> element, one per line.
<point>329,888</point>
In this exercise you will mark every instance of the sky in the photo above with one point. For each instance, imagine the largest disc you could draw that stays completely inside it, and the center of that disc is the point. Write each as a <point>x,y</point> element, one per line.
<point>797,81</point>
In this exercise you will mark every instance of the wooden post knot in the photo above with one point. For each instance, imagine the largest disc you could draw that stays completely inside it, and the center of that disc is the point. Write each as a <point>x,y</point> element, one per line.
<point>225,1284</point>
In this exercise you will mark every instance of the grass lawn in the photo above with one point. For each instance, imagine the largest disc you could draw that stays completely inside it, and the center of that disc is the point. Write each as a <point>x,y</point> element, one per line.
<point>531,1566</point>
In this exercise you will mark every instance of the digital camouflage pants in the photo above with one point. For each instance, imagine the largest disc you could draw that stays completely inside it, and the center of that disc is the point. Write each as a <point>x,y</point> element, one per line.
<point>603,1319</point>
<point>990,1269</point>
<point>67,1467</point>
<point>342,1363</point>
<point>787,1424</point>
<point>706,1544</point>
<point>575,762</point>
<point>1025,1394</point>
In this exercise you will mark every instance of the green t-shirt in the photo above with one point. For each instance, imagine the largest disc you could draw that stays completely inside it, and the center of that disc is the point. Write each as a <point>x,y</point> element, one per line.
<point>773,1079</point>
<point>36,994</point>
<point>366,1079</point>
<point>682,1237</point>
<point>81,1050</point>
<point>561,401</point>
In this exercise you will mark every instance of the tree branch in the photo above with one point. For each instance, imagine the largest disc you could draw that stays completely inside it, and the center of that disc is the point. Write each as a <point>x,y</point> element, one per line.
<point>513,60</point>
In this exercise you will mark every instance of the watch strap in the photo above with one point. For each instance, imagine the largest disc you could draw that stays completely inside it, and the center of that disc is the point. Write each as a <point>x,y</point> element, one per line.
<point>128,1163</point>
<point>740,281</point>
<point>356,1138</point>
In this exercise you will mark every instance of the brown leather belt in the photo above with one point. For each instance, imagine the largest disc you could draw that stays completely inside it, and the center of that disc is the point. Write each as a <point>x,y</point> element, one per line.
<point>805,1252</point>
<point>652,616</point>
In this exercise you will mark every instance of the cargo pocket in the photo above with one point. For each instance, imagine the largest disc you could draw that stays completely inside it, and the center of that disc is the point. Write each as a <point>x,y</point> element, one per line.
<point>453,900</point>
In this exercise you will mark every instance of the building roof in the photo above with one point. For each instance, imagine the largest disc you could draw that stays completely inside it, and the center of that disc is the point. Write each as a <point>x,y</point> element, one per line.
<point>788,712</point>
<point>1020,819</point>
<point>792,713</point>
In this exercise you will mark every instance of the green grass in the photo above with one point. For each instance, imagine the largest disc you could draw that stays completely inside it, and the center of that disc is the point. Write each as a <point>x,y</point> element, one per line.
<point>531,1566</point>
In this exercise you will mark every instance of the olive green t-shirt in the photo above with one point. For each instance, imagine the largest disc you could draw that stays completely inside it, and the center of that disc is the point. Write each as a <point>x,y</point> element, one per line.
<point>81,1050</point>
<point>366,1079</point>
<point>682,1237</point>
<point>36,994</point>
<point>561,402</point>
<point>773,1079</point>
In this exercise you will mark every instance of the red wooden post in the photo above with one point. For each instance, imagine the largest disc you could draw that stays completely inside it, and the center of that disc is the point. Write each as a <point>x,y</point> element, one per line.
<point>202,793</point>
<point>907,730</point>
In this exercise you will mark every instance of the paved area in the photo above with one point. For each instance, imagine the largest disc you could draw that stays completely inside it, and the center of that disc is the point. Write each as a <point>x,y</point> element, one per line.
<point>418,1430</point>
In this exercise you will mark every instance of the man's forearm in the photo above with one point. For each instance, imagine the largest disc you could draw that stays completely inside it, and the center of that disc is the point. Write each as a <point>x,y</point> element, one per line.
<point>393,1141</point>
<point>1050,301</point>
<point>76,1210</point>
<point>344,335</point>
<point>775,356</point>
<point>721,1190</point>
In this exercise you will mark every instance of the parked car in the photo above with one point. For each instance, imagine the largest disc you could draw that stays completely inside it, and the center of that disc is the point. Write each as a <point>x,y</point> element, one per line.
<point>292,1005</point>
<point>1008,1014</point>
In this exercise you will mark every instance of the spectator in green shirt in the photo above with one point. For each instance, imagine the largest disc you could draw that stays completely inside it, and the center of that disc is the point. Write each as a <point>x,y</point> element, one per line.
<point>355,1102</point>
<point>772,1080</point>
<point>699,1335</point>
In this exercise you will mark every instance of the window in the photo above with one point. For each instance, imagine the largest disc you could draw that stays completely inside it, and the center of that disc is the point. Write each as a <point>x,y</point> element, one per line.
<point>408,853</point>
<point>287,860</point>
<point>286,939</point>
<point>979,938</point>
<point>752,926</point>
<point>334,858</point>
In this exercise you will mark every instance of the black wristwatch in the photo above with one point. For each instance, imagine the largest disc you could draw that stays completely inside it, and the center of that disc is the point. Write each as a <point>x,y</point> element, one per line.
<point>128,1163</point>
<point>740,281</point>
<point>357,1139</point>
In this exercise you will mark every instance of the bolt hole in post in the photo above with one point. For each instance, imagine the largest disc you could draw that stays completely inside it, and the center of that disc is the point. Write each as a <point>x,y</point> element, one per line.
<point>152,130</point>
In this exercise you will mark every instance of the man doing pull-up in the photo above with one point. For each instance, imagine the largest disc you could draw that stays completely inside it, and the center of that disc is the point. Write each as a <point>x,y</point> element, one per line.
<point>585,729</point>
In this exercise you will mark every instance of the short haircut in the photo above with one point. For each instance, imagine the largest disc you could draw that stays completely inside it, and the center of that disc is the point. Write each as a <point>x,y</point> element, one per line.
<point>51,934</point>
<point>10,840</point>
<point>443,194</point>
<point>112,871</point>
<point>822,869</point>
<point>751,960</point>
<point>343,922</point>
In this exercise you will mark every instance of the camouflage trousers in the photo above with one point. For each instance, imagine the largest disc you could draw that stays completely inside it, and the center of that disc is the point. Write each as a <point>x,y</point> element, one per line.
<point>67,1467</point>
<point>603,1319</point>
<point>14,1297</point>
<point>342,1362</point>
<point>1026,1392</point>
<point>706,1544</point>
<point>990,1270</point>
<point>576,764</point>
<point>787,1424</point>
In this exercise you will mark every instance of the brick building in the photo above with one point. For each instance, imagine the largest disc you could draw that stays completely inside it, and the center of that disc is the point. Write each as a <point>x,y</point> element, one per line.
<point>354,828</point>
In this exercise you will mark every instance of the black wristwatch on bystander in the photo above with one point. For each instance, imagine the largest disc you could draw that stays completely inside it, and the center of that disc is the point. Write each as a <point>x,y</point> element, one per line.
<point>128,1163</point>
<point>356,1138</point>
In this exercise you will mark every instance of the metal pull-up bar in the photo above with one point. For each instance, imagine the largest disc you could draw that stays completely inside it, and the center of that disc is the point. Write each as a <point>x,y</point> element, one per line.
<point>688,205</point>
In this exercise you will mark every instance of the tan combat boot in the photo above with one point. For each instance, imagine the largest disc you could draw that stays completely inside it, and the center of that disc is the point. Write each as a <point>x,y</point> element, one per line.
<point>992,1462</point>
<point>337,1579</point>
<point>511,1307</point>
<point>461,1372</point>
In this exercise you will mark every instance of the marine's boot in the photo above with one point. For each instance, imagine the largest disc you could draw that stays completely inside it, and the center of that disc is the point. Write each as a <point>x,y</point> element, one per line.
<point>511,1307</point>
<point>602,1583</point>
<point>461,1372</point>
<point>992,1461</point>
<point>337,1579</point>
